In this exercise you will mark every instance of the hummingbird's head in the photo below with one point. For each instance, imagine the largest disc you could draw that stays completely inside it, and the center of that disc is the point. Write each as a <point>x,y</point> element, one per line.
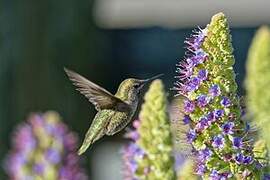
<point>132,87</point>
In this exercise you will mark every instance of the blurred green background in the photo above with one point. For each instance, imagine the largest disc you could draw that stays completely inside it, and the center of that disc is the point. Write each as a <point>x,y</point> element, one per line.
<point>39,38</point>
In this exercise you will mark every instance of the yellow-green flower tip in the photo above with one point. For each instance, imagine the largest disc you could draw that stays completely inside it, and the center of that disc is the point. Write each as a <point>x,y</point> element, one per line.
<point>155,136</point>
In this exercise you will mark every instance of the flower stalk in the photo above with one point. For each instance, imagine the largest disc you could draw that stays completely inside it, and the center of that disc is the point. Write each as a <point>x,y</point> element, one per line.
<point>152,140</point>
<point>258,82</point>
<point>220,138</point>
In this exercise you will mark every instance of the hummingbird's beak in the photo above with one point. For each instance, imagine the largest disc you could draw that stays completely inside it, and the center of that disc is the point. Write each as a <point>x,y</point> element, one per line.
<point>152,78</point>
<point>145,81</point>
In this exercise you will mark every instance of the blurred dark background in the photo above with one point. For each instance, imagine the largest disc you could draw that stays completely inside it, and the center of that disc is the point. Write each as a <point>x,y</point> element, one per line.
<point>39,38</point>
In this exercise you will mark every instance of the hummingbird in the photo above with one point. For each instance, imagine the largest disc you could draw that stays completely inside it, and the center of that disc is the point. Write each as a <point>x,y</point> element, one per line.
<point>114,112</point>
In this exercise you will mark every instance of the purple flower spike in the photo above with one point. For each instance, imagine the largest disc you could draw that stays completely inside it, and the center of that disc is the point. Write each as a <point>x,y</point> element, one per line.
<point>218,113</point>
<point>239,158</point>
<point>228,128</point>
<point>191,135</point>
<point>189,106</point>
<point>48,146</point>
<point>214,90</point>
<point>225,102</point>
<point>186,119</point>
<point>202,74</point>
<point>202,101</point>
<point>247,160</point>
<point>218,142</point>
<point>237,142</point>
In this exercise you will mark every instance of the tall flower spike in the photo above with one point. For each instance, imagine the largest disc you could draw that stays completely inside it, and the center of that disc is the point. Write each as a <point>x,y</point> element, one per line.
<point>155,136</point>
<point>258,82</point>
<point>44,148</point>
<point>218,135</point>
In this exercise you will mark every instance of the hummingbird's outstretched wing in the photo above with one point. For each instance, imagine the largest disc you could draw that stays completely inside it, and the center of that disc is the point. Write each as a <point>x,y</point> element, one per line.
<point>98,96</point>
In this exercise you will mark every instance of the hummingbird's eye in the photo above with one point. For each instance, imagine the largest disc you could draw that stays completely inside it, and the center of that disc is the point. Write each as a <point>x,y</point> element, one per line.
<point>136,86</point>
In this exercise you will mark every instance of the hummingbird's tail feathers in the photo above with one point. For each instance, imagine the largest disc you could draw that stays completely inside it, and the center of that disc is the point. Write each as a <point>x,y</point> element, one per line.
<point>83,148</point>
<point>90,138</point>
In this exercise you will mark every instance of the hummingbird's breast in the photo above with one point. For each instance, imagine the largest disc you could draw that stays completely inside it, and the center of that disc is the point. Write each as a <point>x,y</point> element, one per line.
<point>119,120</point>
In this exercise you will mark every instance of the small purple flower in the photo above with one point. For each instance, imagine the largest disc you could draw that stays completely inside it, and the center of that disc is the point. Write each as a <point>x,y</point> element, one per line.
<point>210,117</point>
<point>201,53</point>
<point>218,113</point>
<point>189,106</point>
<point>193,84</point>
<point>237,142</point>
<point>186,119</point>
<point>200,169</point>
<point>247,160</point>
<point>204,154</point>
<point>191,135</point>
<point>190,62</point>
<point>218,142</point>
<point>204,121</point>
<point>202,124</point>
<point>136,124</point>
<point>202,74</point>
<point>227,128</point>
<point>226,175</point>
<point>185,70</point>
<point>202,101</point>
<point>227,157</point>
<point>199,127</point>
<point>197,59</point>
<point>239,158</point>
<point>130,152</point>
<point>195,41</point>
<point>134,135</point>
<point>246,173</point>
<point>214,175</point>
<point>225,102</point>
<point>214,90</point>
<point>39,168</point>
<point>266,177</point>
<point>53,156</point>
